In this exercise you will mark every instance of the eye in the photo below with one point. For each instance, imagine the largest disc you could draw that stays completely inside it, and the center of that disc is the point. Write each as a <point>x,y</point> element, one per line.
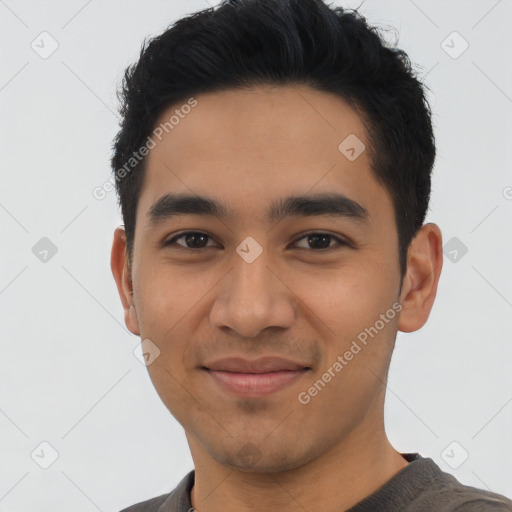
<point>320,241</point>
<point>191,239</point>
<point>315,240</point>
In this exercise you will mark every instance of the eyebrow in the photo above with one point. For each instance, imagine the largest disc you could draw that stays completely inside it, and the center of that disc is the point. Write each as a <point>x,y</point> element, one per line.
<point>330,204</point>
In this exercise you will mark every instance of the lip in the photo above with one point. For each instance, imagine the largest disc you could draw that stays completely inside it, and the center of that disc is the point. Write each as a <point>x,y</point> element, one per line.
<point>265,364</point>
<point>255,378</point>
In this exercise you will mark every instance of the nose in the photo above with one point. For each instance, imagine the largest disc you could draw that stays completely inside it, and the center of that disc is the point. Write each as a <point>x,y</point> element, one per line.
<point>253,297</point>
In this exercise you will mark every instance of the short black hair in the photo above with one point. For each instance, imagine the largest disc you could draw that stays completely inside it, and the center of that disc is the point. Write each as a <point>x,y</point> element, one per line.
<point>244,43</point>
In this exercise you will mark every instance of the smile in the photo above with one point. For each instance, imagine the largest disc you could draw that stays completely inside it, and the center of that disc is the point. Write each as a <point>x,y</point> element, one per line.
<point>255,384</point>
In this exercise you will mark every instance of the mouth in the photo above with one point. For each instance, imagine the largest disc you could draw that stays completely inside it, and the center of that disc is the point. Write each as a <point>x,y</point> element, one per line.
<point>255,378</point>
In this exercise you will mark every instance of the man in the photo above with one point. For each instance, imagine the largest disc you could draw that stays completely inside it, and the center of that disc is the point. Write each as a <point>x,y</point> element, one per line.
<point>273,170</point>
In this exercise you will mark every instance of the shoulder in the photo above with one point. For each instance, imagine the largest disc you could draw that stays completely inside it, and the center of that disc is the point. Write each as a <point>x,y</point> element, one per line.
<point>151,505</point>
<point>422,486</point>
<point>177,500</point>
<point>446,494</point>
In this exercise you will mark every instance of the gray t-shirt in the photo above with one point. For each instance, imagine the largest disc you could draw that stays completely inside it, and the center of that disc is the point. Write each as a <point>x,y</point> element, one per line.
<point>419,487</point>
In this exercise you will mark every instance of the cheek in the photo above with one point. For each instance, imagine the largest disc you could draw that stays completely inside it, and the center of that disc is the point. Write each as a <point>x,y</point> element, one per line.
<point>171,302</point>
<point>168,299</point>
<point>357,343</point>
<point>348,308</point>
<point>350,295</point>
<point>169,292</point>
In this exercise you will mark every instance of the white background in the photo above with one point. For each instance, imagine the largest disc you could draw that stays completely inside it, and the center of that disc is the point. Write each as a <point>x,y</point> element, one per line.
<point>67,370</point>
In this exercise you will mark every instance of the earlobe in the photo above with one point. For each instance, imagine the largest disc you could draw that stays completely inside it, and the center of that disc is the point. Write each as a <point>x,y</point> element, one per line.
<point>424,264</point>
<point>122,277</point>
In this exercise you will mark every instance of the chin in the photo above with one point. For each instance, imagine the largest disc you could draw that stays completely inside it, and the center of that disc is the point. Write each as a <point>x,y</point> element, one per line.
<point>249,458</point>
<point>262,466</point>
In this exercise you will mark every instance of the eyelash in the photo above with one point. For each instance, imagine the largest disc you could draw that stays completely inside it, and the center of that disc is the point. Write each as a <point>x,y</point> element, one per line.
<point>340,243</point>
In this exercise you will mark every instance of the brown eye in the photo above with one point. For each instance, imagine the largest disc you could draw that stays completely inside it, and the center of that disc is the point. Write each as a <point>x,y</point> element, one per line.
<point>320,241</point>
<point>191,240</point>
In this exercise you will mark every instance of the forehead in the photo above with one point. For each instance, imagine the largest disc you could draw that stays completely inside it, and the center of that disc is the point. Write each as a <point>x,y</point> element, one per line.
<point>248,147</point>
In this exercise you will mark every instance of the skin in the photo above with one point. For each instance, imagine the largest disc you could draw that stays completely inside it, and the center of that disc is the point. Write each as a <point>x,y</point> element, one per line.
<point>247,148</point>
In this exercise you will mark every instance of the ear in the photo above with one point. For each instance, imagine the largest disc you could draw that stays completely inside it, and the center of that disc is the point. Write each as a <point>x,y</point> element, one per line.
<point>123,277</point>
<point>424,264</point>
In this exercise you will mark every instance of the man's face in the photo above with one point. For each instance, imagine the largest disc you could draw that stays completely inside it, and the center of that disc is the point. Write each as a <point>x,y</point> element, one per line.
<point>212,295</point>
